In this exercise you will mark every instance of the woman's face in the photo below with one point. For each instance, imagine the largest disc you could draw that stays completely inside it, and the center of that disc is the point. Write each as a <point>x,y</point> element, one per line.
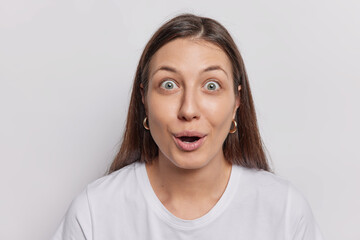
<point>190,102</point>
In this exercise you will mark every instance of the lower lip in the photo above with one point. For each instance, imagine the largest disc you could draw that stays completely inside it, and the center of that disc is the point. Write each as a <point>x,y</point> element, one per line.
<point>189,146</point>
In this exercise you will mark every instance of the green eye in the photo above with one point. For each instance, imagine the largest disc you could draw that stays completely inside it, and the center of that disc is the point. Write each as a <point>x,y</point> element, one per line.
<point>168,85</point>
<point>212,86</point>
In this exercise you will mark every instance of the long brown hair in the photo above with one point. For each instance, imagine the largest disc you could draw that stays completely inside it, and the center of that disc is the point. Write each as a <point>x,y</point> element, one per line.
<point>243,148</point>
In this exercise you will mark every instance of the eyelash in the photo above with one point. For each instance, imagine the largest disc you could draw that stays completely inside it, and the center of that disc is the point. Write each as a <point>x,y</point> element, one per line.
<point>213,81</point>
<point>175,85</point>
<point>168,80</point>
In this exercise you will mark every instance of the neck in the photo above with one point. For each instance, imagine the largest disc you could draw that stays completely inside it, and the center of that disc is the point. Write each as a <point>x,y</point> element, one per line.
<point>176,185</point>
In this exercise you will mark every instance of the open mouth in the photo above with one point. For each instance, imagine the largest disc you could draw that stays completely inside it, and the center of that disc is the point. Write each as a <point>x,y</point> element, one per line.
<point>189,141</point>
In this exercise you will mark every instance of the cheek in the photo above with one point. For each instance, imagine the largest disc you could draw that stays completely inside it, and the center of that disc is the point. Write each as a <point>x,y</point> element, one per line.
<point>162,114</point>
<point>160,109</point>
<point>218,111</point>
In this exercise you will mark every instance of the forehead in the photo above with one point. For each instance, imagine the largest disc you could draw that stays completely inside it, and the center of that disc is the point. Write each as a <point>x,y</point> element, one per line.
<point>190,53</point>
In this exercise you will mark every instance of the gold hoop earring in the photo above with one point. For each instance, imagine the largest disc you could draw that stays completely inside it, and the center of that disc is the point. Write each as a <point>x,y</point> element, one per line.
<point>234,129</point>
<point>146,126</point>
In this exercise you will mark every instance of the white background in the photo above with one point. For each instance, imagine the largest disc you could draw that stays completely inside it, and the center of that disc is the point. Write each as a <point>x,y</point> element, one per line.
<point>66,69</point>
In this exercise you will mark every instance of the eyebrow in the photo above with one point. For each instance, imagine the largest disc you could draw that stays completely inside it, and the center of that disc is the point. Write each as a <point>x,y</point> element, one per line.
<point>173,70</point>
<point>215,67</point>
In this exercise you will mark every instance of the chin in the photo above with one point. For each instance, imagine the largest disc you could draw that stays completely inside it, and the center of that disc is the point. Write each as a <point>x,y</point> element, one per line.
<point>188,162</point>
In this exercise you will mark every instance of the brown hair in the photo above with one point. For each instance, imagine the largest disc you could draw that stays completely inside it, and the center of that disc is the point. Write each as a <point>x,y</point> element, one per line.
<point>243,148</point>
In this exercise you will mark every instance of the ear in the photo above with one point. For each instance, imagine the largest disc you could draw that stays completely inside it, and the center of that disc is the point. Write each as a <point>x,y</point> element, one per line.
<point>237,101</point>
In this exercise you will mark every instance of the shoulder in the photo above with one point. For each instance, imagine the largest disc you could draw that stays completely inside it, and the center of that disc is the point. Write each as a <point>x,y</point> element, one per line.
<point>279,200</point>
<point>276,186</point>
<point>262,180</point>
<point>99,197</point>
<point>110,184</point>
<point>104,191</point>
<point>272,191</point>
<point>116,185</point>
<point>120,176</point>
<point>278,196</point>
<point>76,224</point>
<point>300,217</point>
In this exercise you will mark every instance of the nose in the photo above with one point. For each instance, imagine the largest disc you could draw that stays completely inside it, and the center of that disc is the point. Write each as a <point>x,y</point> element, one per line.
<point>189,108</point>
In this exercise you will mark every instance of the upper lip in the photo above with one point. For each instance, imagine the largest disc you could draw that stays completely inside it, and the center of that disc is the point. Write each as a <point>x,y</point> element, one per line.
<point>189,134</point>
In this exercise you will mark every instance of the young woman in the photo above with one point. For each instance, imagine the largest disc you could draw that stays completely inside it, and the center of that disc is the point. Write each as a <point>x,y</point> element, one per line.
<point>191,164</point>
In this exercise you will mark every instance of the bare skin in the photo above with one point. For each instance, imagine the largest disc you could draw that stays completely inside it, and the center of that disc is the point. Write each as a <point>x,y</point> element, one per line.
<point>188,194</point>
<point>190,92</point>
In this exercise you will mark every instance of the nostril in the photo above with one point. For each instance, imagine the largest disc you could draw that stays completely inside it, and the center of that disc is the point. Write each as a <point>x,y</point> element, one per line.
<point>188,117</point>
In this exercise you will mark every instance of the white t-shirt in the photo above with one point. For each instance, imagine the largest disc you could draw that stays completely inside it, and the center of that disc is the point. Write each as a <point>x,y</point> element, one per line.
<point>123,206</point>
